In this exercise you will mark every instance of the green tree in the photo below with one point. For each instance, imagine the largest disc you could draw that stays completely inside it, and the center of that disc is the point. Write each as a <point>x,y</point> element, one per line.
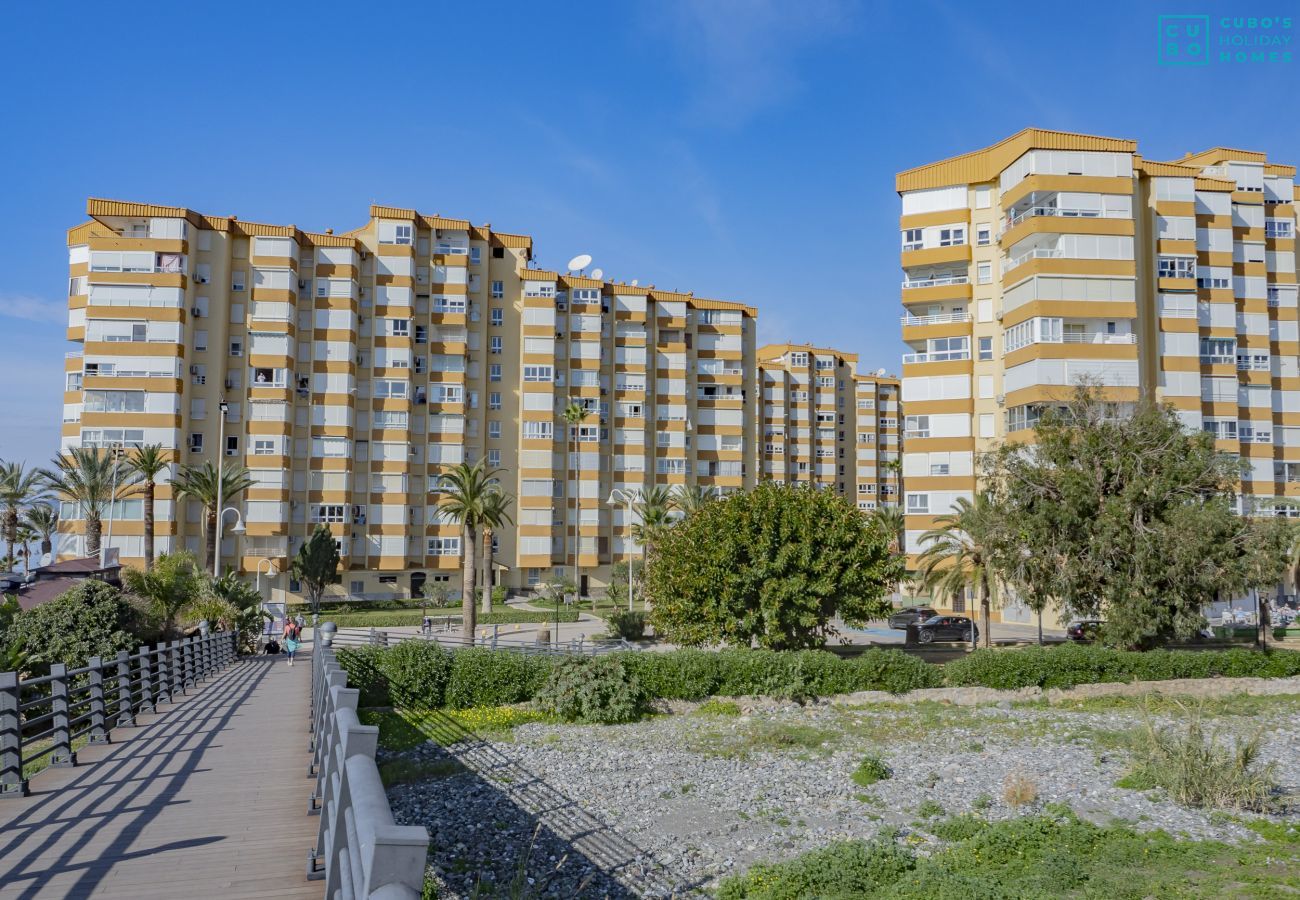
<point>464,491</point>
<point>654,510</point>
<point>18,489</point>
<point>234,590</point>
<point>959,552</point>
<point>146,464</point>
<point>43,520</point>
<point>692,499</point>
<point>573,415</point>
<point>891,519</point>
<point>1131,518</point>
<point>316,565</point>
<point>201,483</point>
<point>86,476</point>
<point>496,515</point>
<point>92,619</point>
<point>173,583</point>
<point>13,656</point>
<point>618,582</point>
<point>772,566</point>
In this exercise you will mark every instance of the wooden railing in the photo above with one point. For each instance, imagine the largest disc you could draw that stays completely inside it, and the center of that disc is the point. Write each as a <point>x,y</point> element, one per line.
<point>45,719</point>
<point>360,851</point>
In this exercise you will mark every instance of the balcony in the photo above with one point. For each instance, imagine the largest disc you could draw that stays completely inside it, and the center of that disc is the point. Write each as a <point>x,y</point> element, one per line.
<point>940,319</point>
<point>1040,253</point>
<point>1098,338</point>
<point>935,281</point>
<point>940,356</point>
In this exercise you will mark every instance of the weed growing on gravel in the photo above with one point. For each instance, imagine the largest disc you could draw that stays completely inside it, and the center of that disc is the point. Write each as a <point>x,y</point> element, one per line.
<point>1019,790</point>
<point>408,771</point>
<point>764,736</point>
<point>982,802</point>
<point>869,771</point>
<point>402,729</point>
<point>718,708</point>
<point>1200,767</point>
<point>929,809</point>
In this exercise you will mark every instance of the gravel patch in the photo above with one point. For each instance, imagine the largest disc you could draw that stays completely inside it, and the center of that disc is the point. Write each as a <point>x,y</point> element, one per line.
<point>668,806</point>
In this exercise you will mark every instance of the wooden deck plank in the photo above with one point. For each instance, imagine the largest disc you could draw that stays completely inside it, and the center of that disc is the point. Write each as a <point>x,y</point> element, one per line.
<point>206,798</point>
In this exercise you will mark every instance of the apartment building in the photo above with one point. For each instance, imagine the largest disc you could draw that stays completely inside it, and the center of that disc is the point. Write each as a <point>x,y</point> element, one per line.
<point>351,368</point>
<point>824,423</point>
<point>1050,257</point>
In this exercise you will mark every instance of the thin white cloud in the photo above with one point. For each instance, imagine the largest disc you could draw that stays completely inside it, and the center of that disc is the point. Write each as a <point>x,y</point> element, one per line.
<point>741,55</point>
<point>32,309</point>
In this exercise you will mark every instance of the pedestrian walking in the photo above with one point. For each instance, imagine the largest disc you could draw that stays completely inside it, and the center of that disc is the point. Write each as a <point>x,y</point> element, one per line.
<point>293,636</point>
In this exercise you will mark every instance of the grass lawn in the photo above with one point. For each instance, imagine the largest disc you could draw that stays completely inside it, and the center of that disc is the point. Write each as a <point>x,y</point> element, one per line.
<point>1047,856</point>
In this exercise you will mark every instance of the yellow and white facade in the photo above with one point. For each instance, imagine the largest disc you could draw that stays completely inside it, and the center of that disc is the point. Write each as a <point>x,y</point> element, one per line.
<point>356,366</point>
<point>1052,257</point>
<point>822,422</point>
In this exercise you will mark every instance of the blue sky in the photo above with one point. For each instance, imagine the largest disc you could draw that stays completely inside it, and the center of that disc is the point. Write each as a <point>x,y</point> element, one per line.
<point>742,149</point>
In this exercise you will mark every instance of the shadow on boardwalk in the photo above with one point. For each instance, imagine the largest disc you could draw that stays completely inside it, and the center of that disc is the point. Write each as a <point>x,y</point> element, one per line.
<point>207,792</point>
<point>501,829</point>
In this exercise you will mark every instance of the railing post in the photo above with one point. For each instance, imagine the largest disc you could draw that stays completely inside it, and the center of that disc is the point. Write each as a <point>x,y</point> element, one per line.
<point>61,737</point>
<point>98,709</point>
<point>187,664</point>
<point>178,674</point>
<point>125,696</point>
<point>12,783</point>
<point>205,657</point>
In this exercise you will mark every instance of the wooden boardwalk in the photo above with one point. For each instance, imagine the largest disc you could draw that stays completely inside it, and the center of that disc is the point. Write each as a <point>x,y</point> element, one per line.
<point>208,798</point>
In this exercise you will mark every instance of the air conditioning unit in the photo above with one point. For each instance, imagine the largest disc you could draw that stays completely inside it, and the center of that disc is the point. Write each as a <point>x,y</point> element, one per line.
<point>196,311</point>
<point>232,451</point>
<point>302,284</point>
<point>1002,399</point>
<point>230,384</point>
<point>365,254</point>
<point>194,370</point>
<point>998,316</point>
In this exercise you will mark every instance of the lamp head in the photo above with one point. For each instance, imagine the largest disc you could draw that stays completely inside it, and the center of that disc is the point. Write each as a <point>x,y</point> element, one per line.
<point>238,527</point>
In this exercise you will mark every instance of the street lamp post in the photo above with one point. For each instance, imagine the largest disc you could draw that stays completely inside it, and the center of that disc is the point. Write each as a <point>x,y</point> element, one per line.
<point>616,496</point>
<point>237,528</point>
<point>222,406</point>
<point>270,573</point>
<point>113,450</point>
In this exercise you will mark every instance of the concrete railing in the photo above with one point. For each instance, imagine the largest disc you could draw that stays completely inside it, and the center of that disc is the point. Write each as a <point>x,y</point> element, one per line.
<point>51,715</point>
<point>360,851</point>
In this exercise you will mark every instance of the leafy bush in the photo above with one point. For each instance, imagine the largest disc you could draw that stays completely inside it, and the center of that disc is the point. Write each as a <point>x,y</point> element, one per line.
<point>92,619</point>
<point>627,624</point>
<point>870,770</point>
<point>725,708</point>
<point>1071,664</point>
<point>482,677</point>
<point>366,674</point>
<point>893,671</point>
<point>845,869</point>
<point>679,675</point>
<point>592,689</point>
<point>417,673</point>
<point>1198,767</point>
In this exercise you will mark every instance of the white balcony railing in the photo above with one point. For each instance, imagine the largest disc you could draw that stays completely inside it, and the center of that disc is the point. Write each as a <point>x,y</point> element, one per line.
<point>1041,253</point>
<point>941,356</point>
<point>939,319</point>
<point>1099,338</point>
<point>935,281</point>
<point>1060,212</point>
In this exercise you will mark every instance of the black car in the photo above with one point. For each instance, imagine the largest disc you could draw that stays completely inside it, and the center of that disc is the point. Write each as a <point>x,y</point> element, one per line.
<point>1084,630</point>
<point>947,628</point>
<point>904,617</point>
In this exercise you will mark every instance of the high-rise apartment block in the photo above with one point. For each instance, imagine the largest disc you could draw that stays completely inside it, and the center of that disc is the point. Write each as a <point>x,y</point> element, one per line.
<point>825,424</point>
<point>355,367</point>
<point>1052,257</point>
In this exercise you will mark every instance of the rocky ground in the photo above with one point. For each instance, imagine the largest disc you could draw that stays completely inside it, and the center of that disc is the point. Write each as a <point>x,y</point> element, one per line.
<point>668,806</point>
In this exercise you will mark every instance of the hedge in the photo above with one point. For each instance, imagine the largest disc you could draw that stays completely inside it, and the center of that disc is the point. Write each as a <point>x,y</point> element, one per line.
<point>420,674</point>
<point>1071,664</point>
<point>382,618</point>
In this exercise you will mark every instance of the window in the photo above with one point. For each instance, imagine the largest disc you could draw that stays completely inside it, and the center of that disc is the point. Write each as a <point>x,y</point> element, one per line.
<point>444,546</point>
<point>498,290</point>
<point>475,255</point>
<point>1222,429</point>
<point>916,426</point>
<point>399,327</point>
<point>952,237</point>
<point>1278,228</point>
<point>232,445</point>
<point>1177,267</point>
<point>918,504</point>
<point>498,316</point>
<point>196,443</point>
<point>986,348</point>
<point>799,360</point>
<point>538,430</point>
<point>327,512</point>
<point>402,234</point>
<point>494,372</point>
<point>238,280</point>
<point>984,273</point>
<point>494,345</point>
<point>494,400</point>
<point>494,458</point>
<point>538,373</point>
<point>236,348</point>
<point>912,239</point>
<point>494,428</point>
<point>1218,350</point>
<point>264,447</point>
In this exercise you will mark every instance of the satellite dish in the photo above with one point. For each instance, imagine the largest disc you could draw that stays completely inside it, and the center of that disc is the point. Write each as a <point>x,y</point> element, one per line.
<point>581,261</point>
<point>880,373</point>
<point>597,274</point>
<point>634,282</point>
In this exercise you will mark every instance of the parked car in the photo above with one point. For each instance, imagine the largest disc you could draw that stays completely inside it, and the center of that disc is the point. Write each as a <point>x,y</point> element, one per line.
<point>904,617</point>
<point>1084,629</point>
<point>947,628</point>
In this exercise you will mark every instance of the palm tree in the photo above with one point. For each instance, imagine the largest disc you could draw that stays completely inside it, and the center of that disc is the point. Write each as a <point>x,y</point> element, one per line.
<point>959,553</point>
<point>692,500</point>
<point>655,510</point>
<point>573,414</point>
<point>496,514</point>
<point>147,464</point>
<point>465,489</point>
<point>200,483</point>
<point>43,520</point>
<point>18,488</point>
<point>85,476</point>
<point>168,588</point>
<point>892,521</point>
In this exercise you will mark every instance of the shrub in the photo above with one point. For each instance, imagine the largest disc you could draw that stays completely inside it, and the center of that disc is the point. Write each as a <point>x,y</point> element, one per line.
<point>845,869</point>
<point>627,624</point>
<point>92,619</point>
<point>482,677</point>
<point>870,770</point>
<point>592,689</point>
<point>718,708</point>
<point>679,675</point>
<point>1019,790</point>
<point>1200,768</point>
<point>893,671</point>
<point>365,673</point>
<point>417,673</point>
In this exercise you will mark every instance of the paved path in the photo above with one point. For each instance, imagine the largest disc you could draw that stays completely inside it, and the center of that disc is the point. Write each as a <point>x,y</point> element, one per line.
<point>208,798</point>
